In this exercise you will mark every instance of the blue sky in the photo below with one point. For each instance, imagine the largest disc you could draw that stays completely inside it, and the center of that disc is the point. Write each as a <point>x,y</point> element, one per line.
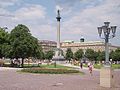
<point>79,17</point>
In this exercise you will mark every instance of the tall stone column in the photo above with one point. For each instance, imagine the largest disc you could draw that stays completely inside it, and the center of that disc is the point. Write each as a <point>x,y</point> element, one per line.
<point>58,58</point>
<point>58,29</point>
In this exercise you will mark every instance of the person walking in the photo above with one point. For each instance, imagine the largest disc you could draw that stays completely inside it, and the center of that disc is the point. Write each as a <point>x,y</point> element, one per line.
<point>90,68</point>
<point>81,65</point>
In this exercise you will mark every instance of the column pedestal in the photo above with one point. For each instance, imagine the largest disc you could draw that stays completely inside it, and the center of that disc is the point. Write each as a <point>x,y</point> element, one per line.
<point>106,77</point>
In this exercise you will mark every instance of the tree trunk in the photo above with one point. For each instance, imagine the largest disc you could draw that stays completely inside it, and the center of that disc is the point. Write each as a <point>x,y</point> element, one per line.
<point>11,63</point>
<point>22,62</point>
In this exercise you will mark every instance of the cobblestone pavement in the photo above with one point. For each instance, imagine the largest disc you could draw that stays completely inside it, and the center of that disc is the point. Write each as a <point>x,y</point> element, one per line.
<point>12,80</point>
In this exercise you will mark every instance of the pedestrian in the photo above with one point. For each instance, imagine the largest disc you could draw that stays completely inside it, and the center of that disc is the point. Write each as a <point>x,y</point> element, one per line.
<point>81,65</point>
<point>90,68</point>
<point>88,64</point>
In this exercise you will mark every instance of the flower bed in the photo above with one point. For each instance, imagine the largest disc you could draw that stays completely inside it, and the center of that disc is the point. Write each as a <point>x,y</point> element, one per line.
<point>50,71</point>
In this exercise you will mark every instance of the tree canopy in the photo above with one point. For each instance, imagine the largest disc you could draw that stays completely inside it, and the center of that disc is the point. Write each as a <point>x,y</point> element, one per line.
<point>23,44</point>
<point>78,54</point>
<point>19,43</point>
<point>4,43</point>
<point>49,55</point>
<point>69,54</point>
<point>90,54</point>
<point>115,55</point>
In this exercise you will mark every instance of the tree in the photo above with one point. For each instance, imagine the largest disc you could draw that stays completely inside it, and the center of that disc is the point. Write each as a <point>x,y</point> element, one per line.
<point>4,43</point>
<point>69,54</point>
<point>115,55</point>
<point>40,55</point>
<point>96,55</point>
<point>23,44</point>
<point>49,55</point>
<point>90,54</point>
<point>101,56</point>
<point>78,54</point>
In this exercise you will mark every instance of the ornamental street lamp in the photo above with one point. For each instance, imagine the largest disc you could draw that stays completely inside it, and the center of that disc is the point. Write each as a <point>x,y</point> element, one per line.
<point>107,32</point>
<point>106,73</point>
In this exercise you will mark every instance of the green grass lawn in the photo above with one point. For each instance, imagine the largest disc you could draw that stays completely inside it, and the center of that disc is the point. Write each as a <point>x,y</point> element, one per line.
<point>116,66</point>
<point>57,66</point>
<point>51,69</point>
<point>98,66</point>
<point>46,66</point>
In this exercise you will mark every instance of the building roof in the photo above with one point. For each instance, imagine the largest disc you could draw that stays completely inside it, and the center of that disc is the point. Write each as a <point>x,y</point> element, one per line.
<point>47,41</point>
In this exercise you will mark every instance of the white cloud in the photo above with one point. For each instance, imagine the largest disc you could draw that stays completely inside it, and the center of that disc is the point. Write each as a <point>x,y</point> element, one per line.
<point>31,12</point>
<point>5,3</point>
<point>33,16</point>
<point>47,31</point>
<point>58,7</point>
<point>85,22</point>
<point>79,19</point>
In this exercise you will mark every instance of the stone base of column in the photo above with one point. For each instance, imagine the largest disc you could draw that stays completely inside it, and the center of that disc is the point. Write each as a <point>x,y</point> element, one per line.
<point>58,59</point>
<point>106,77</point>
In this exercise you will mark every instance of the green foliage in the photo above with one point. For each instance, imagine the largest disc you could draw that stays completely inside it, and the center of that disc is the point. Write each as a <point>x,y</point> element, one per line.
<point>97,66</point>
<point>49,71</point>
<point>115,55</point>
<point>96,54</point>
<point>101,56</point>
<point>23,44</point>
<point>4,43</point>
<point>90,54</point>
<point>4,36</point>
<point>40,54</point>
<point>117,50</point>
<point>46,66</point>
<point>57,66</point>
<point>49,55</point>
<point>116,66</point>
<point>19,43</point>
<point>69,54</point>
<point>78,54</point>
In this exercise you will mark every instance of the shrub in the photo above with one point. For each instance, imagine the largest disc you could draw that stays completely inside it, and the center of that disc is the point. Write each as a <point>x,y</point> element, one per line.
<point>49,71</point>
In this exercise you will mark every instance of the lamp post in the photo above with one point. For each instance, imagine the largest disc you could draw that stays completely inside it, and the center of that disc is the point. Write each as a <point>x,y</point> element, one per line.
<point>106,30</point>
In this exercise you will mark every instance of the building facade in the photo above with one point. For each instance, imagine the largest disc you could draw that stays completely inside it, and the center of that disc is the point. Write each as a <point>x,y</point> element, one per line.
<point>47,45</point>
<point>95,45</point>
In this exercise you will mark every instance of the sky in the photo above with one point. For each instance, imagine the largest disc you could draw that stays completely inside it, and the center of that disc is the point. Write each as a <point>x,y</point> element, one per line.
<point>80,18</point>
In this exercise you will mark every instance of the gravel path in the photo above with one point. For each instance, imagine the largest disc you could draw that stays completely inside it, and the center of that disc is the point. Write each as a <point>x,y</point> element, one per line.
<point>12,80</point>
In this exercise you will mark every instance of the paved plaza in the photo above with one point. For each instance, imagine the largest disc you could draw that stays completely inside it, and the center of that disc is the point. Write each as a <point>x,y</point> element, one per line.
<point>12,80</point>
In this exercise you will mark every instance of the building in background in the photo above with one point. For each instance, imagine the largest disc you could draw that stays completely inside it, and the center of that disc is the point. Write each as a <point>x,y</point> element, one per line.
<point>95,45</point>
<point>84,45</point>
<point>47,45</point>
